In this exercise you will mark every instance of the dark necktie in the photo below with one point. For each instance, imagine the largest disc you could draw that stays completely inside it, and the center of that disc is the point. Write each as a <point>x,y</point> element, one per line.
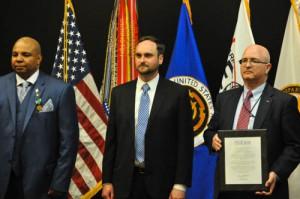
<point>245,113</point>
<point>142,122</point>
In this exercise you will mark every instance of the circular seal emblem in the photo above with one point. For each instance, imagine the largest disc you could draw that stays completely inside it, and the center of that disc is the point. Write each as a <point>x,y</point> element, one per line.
<point>231,85</point>
<point>293,89</point>
<point>201,103</point>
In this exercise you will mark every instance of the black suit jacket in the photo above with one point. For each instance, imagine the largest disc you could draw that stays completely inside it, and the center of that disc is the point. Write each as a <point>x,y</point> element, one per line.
<point>278,113</point>
<point>168,140</point>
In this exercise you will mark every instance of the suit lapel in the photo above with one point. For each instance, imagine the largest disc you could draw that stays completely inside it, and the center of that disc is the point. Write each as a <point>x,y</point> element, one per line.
<point>264,106</point>
<point>11,92</point>
<point>39,86</point>
<point>131,106</point>
<point>157,101</point>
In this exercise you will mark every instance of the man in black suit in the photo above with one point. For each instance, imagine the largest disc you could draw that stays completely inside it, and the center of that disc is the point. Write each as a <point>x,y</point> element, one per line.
<point>268,109</point>
<point>160,165</point>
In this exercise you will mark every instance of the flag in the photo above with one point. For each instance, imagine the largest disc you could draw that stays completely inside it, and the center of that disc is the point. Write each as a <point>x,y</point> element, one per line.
<point>288,74</point>
<point>71,66</point>
<point>186,68</point>
<point>241,39</point>
<point>122,38</point>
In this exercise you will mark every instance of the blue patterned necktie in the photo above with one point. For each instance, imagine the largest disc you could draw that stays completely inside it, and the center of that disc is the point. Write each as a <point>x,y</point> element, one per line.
<point>22,90</point>
<point>142,122</point>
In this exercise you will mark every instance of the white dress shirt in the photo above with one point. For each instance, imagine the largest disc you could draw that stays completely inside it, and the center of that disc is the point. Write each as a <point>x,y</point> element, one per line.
<point>32,79</point>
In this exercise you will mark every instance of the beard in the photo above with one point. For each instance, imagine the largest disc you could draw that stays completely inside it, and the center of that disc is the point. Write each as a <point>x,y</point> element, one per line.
<point>144,69</point>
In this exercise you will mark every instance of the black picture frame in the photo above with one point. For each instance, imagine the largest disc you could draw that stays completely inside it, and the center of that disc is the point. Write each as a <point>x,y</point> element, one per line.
<point>261,133</point>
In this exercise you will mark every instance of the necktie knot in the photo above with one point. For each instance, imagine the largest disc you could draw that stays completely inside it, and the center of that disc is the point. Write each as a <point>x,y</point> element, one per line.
<point>22,90</point>
<point>25,84</point>
<point>145,88</point>
<point>249,94</point>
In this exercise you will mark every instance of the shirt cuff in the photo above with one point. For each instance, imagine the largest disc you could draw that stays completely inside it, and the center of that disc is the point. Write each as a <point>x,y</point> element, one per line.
<point>179,187</point>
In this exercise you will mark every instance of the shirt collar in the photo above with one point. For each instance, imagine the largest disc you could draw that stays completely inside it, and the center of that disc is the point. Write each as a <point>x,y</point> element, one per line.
<point>32,79</point>
<point>256,92</point>
<point>152,83</point>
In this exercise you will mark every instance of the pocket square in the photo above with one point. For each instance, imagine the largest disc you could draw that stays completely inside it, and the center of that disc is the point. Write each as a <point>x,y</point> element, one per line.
<point>48,106</point>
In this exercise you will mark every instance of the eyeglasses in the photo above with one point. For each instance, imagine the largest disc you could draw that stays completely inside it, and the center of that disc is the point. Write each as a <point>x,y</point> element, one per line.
<point>253,61</point>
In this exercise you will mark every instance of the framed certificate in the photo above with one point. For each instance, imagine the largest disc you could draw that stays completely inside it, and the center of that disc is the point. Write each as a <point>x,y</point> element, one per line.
<point>243,160</point>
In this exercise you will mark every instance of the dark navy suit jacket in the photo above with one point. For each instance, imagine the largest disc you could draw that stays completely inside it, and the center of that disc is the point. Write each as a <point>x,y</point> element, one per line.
<point>278,113</point>
<point>49,139</point>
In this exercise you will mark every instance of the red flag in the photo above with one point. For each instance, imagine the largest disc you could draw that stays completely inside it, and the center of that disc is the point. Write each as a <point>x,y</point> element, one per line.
<point>122,38</point>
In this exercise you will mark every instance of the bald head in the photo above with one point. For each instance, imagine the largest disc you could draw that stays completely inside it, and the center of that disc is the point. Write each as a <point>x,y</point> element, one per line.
<point>32,42</point>
<point>259,50</point>
<point>26,56</point>
<point>255,66</point>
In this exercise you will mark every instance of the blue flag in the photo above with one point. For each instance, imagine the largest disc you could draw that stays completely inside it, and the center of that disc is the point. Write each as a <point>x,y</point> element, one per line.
<point>186,68</point>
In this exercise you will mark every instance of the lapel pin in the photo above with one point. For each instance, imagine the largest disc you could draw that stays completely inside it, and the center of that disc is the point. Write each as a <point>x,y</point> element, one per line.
<point>38,100</point>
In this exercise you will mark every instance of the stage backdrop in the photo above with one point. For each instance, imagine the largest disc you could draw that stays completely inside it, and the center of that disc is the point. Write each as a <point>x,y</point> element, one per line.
<point>213,22</point>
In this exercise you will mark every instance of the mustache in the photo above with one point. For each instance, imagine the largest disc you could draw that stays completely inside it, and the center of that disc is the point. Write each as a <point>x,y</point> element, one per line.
<point>141,65</point>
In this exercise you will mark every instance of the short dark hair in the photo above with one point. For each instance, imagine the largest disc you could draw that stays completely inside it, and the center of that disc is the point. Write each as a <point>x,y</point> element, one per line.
<point>160,46</point>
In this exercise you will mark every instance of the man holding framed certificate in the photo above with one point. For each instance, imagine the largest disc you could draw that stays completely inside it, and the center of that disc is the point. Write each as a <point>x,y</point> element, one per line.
<point>256,130</point>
